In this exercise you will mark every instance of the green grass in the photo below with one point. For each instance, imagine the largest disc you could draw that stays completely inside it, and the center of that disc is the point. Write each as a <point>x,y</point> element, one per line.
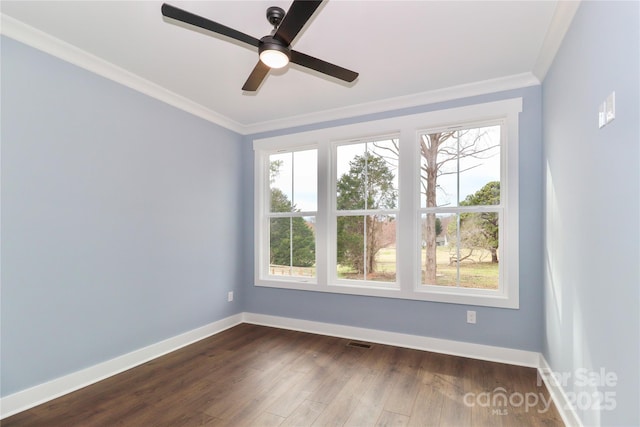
<point>475,272</point>
<point>482,275</point>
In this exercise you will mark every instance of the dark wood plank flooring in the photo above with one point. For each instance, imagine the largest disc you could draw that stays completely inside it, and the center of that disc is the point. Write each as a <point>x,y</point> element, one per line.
<point>258,376</point>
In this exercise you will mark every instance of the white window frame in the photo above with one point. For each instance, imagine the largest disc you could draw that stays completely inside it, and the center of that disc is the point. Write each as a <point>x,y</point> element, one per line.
<point>333,220</point>
<point>262,222</point>
<point>408,233</point>
<point>462,292</point>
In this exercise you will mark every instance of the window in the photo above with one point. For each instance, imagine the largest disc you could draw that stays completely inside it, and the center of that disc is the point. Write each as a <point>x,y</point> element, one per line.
<point>366,192</point>
<point>420,207</point>
<point>290,217</point>
<point>460,207</point>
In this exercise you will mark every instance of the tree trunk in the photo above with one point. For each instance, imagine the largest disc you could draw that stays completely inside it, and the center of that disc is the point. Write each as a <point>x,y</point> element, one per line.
<point>430,153</point>
<point>430,249</point>
<point>494,255</point>
<point>372,244</point>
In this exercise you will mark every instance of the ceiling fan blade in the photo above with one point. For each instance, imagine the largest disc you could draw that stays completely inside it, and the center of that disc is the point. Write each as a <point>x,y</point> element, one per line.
<point>297,15</point>
<point>323,66</point>
<point>189,18</point>
<point>256,77</point>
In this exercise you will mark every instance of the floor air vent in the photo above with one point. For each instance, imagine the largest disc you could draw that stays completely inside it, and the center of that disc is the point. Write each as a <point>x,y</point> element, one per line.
<point>358,344</point>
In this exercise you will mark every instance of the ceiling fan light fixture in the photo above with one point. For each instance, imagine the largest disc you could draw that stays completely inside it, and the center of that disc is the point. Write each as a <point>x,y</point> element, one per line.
<point>272,53</point>
<point>274,49</point>
<point>274,58</point>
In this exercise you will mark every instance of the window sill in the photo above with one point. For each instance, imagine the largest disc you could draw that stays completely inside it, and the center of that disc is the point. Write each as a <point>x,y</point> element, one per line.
<point>427,293</point>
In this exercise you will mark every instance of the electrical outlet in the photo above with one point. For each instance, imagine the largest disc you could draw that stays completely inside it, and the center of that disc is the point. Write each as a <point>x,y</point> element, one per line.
<point>230,296</point>
<point>471,316</point>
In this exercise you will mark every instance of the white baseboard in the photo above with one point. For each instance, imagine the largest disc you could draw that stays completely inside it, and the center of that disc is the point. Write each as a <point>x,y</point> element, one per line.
<point>562,402</point>
<point>456,348</point>
<point>28,398</point>
<point>50,390</point>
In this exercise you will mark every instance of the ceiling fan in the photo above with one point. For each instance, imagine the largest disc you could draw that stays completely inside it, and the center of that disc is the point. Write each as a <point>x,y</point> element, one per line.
<point>274,49</point>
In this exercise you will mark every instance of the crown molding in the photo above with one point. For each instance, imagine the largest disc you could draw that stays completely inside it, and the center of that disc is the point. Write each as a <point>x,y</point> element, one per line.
<point>44,42</point>
<point>560,23</point>
<point>423,98</point>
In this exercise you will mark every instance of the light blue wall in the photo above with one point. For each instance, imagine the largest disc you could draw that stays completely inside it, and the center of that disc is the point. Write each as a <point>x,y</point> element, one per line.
<point>126,221</point>
<point>119,224</point>
<point>592,243</point>
<point>520,329</point>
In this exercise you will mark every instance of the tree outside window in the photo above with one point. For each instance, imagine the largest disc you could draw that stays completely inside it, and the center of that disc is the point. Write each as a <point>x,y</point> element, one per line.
<point>460,185</point>
<point>366,199</point>
<point>292,242</point>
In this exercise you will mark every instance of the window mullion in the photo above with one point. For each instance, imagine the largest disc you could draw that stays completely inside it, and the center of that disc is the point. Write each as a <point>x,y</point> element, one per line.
<point>293,203</point>
<point>408,241</point>
<point>290,246</point>
<point>458,243</point>
<point>457,168</point>
<point>325,235</point>
<point>364,246</point>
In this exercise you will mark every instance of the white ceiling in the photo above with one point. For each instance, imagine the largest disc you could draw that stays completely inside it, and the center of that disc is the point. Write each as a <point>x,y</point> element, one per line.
<point>399,48</point>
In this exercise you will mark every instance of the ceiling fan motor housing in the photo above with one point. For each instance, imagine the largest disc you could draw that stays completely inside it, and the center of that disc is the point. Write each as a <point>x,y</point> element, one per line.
<point>272,43</point>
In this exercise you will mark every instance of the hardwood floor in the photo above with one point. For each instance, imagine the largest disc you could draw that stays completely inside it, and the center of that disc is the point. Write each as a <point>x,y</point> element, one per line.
<point>258,376</point>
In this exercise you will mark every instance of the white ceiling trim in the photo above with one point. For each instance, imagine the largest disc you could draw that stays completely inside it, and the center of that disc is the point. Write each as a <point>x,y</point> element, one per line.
<point>40,40</point>
<point>413,100</point>
<point>564,13</point>
<point>37,39</point>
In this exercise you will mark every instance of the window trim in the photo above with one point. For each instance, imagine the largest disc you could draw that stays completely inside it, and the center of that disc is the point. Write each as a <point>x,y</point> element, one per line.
<point>408,128</point>
<point>459,292</point>
<point>335,213</point>
<point>262,221</point>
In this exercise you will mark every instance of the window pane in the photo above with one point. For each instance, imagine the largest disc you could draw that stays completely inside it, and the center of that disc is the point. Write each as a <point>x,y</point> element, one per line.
<point>295,257</point>
<point>280,246</point>
<point>480,166</point>
<point>478,250</point>
<point>350,247</point>
<point>367,175</point>
<point>445,180</point>
<point>303,248</point>
<point>305,180</point>
<point>466,250</point>
<point>381,248</point>
<point>439,234</point>
<point>438,169</point>
<point>350,176</point>
<point>366,247</point>
<point>293,181</point>
<point>281,182</point>
<point>455,165</point>
<point>382,174</point>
